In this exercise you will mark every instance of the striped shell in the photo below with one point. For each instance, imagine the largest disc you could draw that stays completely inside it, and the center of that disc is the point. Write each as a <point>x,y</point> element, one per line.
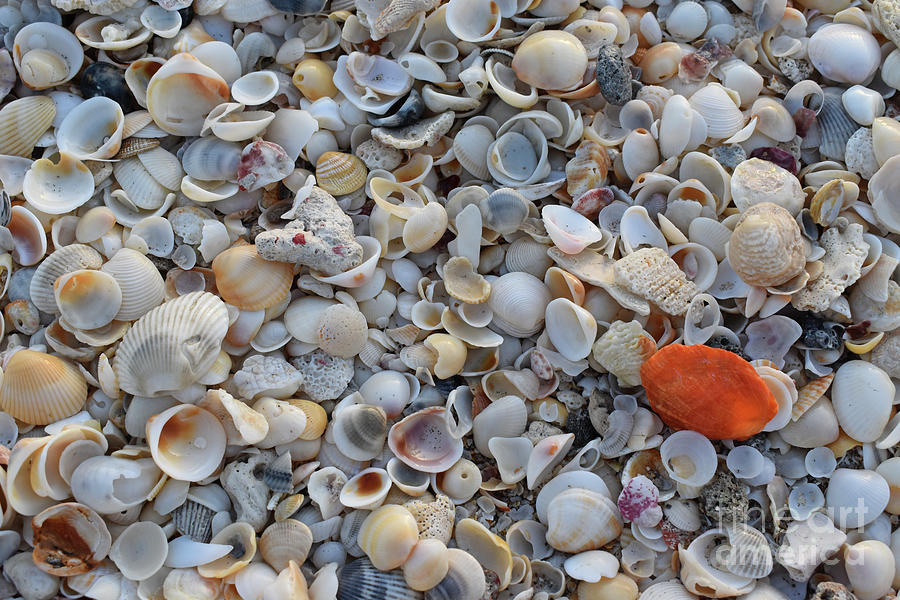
<point>40,388</point>
<point>339,173</point>
<point>142,286</point>
<point>809,394</point>
<point>69,258</point>
<point>248,281</point>
<point>23,122</point>
<point>360,580</point>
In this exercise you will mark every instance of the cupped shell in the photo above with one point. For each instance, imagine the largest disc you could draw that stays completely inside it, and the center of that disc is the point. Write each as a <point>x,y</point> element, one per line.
<point>40,388</point>
<point>248,281</point>
<point>187,442</point>
<point>69,539</point>
<point>182,93</point>
<point>424,442</point>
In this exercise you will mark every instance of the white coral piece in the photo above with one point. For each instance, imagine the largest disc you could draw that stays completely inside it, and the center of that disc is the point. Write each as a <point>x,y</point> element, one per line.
<point>267,375</point>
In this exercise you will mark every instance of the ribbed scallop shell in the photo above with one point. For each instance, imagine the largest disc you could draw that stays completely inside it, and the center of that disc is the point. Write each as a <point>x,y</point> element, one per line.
<point>360,580</point>
<point>194,520</point>
<point>39,388</point>
<point>750,555</point>
<point>248,281</point>
<point>580,519</point>
<point>143,288</point>
<point>142,188</point>
<point>23,122</point>
<point>528,256</point>
<point>339,173</point>
<point>766,248</point>
<point>69,258</point>
<point>212,159</point>
<point>723,117</point>
<point>163,166</point>
<point>835,125</point>
<point>519,301</point>
<point>667,590</point>
<point>173,345</point>
<point>360,431</point>
<point>285,541</point>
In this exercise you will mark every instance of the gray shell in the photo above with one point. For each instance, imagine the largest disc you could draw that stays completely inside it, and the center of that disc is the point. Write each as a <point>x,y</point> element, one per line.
<point>360,580</point>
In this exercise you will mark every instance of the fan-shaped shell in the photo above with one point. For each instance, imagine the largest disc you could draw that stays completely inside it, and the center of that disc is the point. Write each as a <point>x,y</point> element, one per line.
<point>862,395</point>
<point>708,390</point>
<point>248,281</point>
<point>40,388</point>
<point>64,260</point>
<point>23,122</point>
<point>173,345</point>
<point>361,580</point>
<point>142,285</point>
<point>360,430</point>
<point>285,541</point>
<point>719,110</point>
<point>423,441</point>
<point>519,301</point>
<point>87,299</point>
<point>580,520</point>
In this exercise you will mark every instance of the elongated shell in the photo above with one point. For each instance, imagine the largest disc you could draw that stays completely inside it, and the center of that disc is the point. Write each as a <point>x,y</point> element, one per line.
<point>186,441</point>
<point>173,345</point>
<point>248,281</point>
<point>40,388</point>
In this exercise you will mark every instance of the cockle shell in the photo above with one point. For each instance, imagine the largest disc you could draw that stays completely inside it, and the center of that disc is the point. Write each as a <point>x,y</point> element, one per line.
<point>579,519</point>
<point>764,232</point>
<point>518,301</point>
<point>550,60</point>
<point>23,122</point>
<point>862,395</point>
<point>723,398</point>
<point>248,281</point>
<point>289,540</point>
<point>388,536</point>
<point>339,173</point>
<point>173,345</point>
<point>831,46</point>
<point>40,388</point>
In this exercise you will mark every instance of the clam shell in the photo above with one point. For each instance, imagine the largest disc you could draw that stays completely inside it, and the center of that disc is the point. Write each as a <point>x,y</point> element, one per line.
<point>427,565</point>
<point>579,520</point>
<point>241,537</point>
<point>46,55</point>
<point>360,431</point>
<point>367,489</point>
<point>187,442</point>
<point>339,173</point>
<point>58,188</point>
<point>831,46</point>
<point>139,280</point>
<point>862,395</point>
<point>487,548</point>
<point>465,578</point>
<point>856,497</point>
<point>111,484</point>
<point>248,281</point>
<point>519,301</point>
<point>689,458</point>
<point>140,550</point>
<point>423,441</point>
<point>719,110</point>
<point>289,540</point>
<point>571,328</point>
<point>39,388</point>
<point>182,93</point>
<point>87,299</point>
<point>194,520</point>
<point>172,345</point>
<point>92,130</point>
<point>388,536</point>
<point>550,60</point>
<point>505,418</point>
<point>69,539</point>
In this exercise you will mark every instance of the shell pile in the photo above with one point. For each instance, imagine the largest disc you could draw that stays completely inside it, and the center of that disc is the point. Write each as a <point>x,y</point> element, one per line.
<point>449,300</point>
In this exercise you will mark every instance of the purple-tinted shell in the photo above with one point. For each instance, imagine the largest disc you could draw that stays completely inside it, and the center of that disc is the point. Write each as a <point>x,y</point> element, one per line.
<point>590,203</point>
<point>803,120</point>
<point>782,158</point>
<point>639,502</point>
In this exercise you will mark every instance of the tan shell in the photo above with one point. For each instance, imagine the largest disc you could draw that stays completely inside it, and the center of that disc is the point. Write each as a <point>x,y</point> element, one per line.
<point>339,173</point>
<point>650,273</point>
<point>242,538</point>
<point>23,122</point>
<point>283,542</point>
<point>427,565</point>
<point>341,331</point>
<point>40,388</point>
<point>69,539</point>
<point>623,349</point>
<point>64,260</point>
<point>550,60</point>
<point>579,519</point>
<point>182,93</point>
<point>587,169</point>
<point>766,248</point>
<point>388,536</point>
<point>248,281</point>
<point>464,283</point>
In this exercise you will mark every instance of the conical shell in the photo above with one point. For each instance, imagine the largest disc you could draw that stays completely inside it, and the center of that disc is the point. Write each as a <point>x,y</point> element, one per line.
<point>64,260</point>
<point>186,441</point>
<point>39,388</point>
<point>285,541</point>
<point>142,286</point>
<point>171,346</point>
<point>248,281</point>
<point>23,122</point>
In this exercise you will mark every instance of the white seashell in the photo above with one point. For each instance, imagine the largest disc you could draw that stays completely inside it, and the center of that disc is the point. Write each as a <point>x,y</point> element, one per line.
<point>864,105</point>
<point>110,485</point>
<point>503,418</point>
<point>565,481</point>
<point>745,462</point>
<point>182,93</point>
<point>366,490</point>
<point>423,68</point>
<point>579,520</point>
<point>742,78</point>
<point>511,454</point>
<point>324,488</point>
<point>639,153</point>
<point>92,130</point>
<point>862,395</point>
<point>519,301</point>
<point>637,229</point>
<point>673,135</point>
<point>230,122</point>
<point>360,431</point>
<point>545,455</point>
<point>139,280</point>
<point>700,576</point>
<point>719,109</point>
<point>171,346</point>
<point>592,566</point>
<point>183,552</point>
<point>58,188</point>
<point>255,88</point>
<point>689,458</point>
<point>46,55</point>
<point>831,47</point>
<point>855,497</point>
<point>870,567</point>
<point>571,328</point>
<point>187,442</point>
<point>140,550</point>
<point>407,479</point>
<point>473,20</point>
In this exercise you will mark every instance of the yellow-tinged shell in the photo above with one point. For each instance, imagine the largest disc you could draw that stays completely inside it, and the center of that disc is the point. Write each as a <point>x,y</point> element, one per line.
<point>830,199</point>
<point>314,79</point>
<point>248,281</point>
<point>623,349</point>
<point>316,419</point>
<point>587,169</point>
<point>489,549</point>
<point>40,388</point>
<point>425,228</point>
<point>620,587</point>
<point>339,173</point>
<point>551,60</point>
<point>242,538</point>
<point>464,283</point>
<point>451,354</point>
<point>809,394</point>
<point>283,542</point>
<point>23,122</point>
<point>766,248</point>
<point>427,565</point>
<point>388,536</point>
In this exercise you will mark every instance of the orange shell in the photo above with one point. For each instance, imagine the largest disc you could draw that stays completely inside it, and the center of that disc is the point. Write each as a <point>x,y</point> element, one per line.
<point>711,391</point>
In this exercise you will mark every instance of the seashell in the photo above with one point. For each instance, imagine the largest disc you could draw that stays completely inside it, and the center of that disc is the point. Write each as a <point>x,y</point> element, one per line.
<point>140,550</point>
<point>830,46</point>
<point>650,273</point>
<point>142,190</point>
<point>423,441</point>
<point>388,536</point>
<point>187,583</point>
<point>105,33</point>
<point>360,431</point>
<point>623,349</point>
<point>527,256</point>
<point>766,230</point>
<point>518,301</point>
<point>29,239</point>
<point>211,159</point>
<point>366,490</point>
<point>283,542</point>
<point>587,170</point>
<point>862,104</point>
<point>546,454</point>
<point>550,60</point>
<point>863,412</point>
<point>58,188</point>
<point>470,147</point>
<point>46,55</point>
<point>69,539</point>
<point>338,173</point>
<point>870,568</point>
<point>719,110</point>
<point>23,122</point>
<point>360,579</point>
<point>141,285</point>
<point>409,480</point>
<point>427,565</point>
<point>700,570</point>
<point>504,418</point>
<point>255,88</point>
<point>579,520</point>
<point>109,484</point>
<point>187,442</point>
<point>465,579</point>
<point>92,130</point>
<point>755,181</point>
<point>463,283</point>
<point>248,281</point>
<point>640,153</point>
<point>689,458</point>
<point>425,228</point>
<point>181,83</point>
<point>87,299</point>
<point>674,400</point>
<point>488,549</point>
<point>242,539</point>
<point>571,328</point>
<point>511,454</point>
<point>870,494</point>
<point>39,388</point>
<point>147,362</point>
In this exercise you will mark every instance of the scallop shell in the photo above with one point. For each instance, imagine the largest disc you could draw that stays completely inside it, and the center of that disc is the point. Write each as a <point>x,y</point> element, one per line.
<point>139,280</point>
<point>361,580</point>
<point>423,441</point>
<point>171,346</point>
<point>289,540</point>
<point>23,122</point>
<point>39,388</point>
<point>339,173</point>
<point>248,281</point>
<point>719,109</point>
<point>579,520</point>
<point>856,497</point>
